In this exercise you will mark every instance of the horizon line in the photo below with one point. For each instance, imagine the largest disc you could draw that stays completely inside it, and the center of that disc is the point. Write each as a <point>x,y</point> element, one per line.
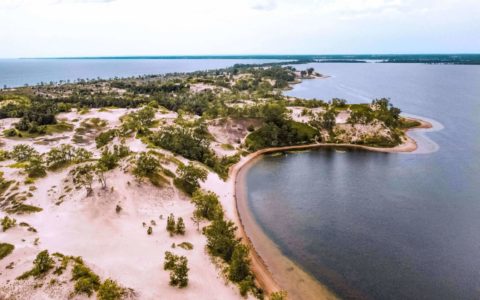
<point>238,56</point>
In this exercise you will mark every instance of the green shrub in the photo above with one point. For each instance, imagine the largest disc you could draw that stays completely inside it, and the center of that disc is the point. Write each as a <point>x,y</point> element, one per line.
<point>5,249</point>
<point>186,245</point>
<point>177,265</point>
<point>86,282</point>
<point>110,290</point>
<point>22,153</point>
<point>189,177</point>
<point>207,204</point>
<point>21,208</point>
<point>41,265</point>
<point>171,224</point>
<point>239,266</point>
<point>280,295</point>
<point>180,226</point>
<point>8,223</point>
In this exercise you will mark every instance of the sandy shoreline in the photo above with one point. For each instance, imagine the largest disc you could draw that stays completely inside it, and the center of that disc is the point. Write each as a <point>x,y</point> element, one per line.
<point>272,269</point>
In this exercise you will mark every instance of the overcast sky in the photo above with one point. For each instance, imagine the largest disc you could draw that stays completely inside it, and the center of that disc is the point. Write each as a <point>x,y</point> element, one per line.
<point>46,28</point>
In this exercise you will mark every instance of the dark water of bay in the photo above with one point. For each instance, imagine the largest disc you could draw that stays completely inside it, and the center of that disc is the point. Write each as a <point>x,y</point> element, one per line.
<point>18,72</point>
<point>383,226</point>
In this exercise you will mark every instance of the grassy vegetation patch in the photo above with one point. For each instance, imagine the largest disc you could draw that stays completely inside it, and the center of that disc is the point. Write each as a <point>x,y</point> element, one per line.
<point>186,245</point>
<point>22,208</point>
<point>5,249</point>
<point>408,123</point>
<point>86,282</point>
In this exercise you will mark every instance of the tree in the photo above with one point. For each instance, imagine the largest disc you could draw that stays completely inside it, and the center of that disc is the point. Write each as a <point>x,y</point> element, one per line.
<point>280,295</point>
<point>22,152</point>
<point>178,267</point>
<point>206,204</point>
<point>179,274</point>
<point>180,228</point>
<point>35,167</point>
<point>83,175</point>
<point>197,218</point>
<point>100,172</point>
<point>81,155</point>
<point>329,120</point>
<point>324,121</point>
<point>170,261</point>
<point>189,177</point>
<point>337,102</point>
<point>171,224</point>
<point>146,165</point>
<point>239,266</point>
<point>41,265</point>
<point>221,239</point>
<point>108,160</point>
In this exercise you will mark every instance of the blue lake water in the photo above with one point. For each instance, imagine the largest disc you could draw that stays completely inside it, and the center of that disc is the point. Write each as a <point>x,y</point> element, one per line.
<point>383,226</point>
<point>17,72</point>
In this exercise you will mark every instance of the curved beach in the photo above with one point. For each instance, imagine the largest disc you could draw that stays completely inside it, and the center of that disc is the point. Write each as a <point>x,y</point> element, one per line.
<point>272,269</point>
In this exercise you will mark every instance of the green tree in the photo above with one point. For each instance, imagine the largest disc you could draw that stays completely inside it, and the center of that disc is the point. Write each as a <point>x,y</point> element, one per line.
<point>221,239</point>
<point>179,274</point>
<point>207,204</point>
<point>189,177</point>
<point>239,266</point>
<point>180,227</point>
<point>22,152</point>
<point>171,224</point>
<point>41,265</point>
<point>83,176</point>
<point>108,160</point>
<point>146,165</point>
<point>169,261</point>
<point>36,167</point>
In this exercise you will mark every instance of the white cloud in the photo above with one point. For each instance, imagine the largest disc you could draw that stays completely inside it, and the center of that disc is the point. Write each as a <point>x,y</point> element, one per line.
<point>141,27</point>
<point>264,5</point>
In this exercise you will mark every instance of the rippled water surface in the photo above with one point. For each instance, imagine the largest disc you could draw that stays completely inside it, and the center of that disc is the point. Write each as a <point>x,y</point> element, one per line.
<point>17,72</point>
<point>384,226</point>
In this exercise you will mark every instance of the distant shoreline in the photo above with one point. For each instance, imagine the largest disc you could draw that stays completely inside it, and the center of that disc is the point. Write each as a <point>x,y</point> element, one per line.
<point>450,58</point>
<point>272,269</point>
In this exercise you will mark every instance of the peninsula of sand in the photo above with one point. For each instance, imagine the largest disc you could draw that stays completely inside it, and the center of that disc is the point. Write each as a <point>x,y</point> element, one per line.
<point>132,188</point>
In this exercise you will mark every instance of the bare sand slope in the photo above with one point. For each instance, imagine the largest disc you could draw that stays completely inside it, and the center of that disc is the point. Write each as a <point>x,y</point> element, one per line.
<point>113,244</point>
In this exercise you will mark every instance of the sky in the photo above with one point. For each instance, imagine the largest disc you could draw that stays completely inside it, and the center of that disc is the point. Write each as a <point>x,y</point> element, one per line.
<point>63,28</point>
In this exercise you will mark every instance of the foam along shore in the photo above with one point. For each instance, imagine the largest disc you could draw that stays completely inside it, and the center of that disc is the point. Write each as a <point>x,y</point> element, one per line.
<point>272,269</point>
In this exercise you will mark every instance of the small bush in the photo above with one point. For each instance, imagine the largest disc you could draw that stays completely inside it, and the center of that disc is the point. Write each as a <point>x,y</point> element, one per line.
<point>8,223</point>
<point>41,265</point>
<point>186,245</point>
<point>86,282</point>
<point>110,290</point>
<point>180,227</point>
<point>5,249</point>
<point>280,295</point>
